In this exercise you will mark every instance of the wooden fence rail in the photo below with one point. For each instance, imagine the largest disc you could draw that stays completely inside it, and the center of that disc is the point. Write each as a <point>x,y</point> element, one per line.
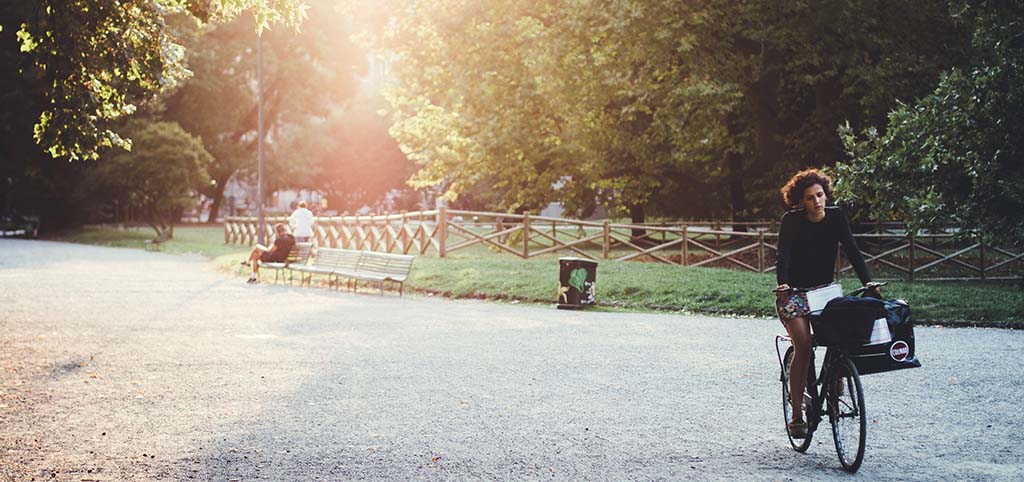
<point>891,251</point>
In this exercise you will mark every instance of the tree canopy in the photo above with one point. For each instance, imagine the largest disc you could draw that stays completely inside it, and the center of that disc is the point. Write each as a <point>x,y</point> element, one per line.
<point>307,76</point>
<point>161,175</point>
<point>954,156</point>
<point>102,59</point>
<point>628,101</point>
<point>678,108</point>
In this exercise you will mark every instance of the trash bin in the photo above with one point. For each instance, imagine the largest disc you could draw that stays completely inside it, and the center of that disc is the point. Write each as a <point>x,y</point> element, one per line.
<point>576,278</point>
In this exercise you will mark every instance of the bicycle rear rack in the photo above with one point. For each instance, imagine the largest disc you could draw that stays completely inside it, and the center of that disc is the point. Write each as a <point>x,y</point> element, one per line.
<point>778,353</point>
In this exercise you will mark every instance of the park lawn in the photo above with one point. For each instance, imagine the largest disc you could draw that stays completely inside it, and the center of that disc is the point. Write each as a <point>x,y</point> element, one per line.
<point>657,287</point>
<point>621,285</point>
<point>188,239</point>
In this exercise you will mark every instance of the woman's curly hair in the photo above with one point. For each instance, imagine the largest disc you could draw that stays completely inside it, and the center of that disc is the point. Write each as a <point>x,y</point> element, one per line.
<point>793,191</point>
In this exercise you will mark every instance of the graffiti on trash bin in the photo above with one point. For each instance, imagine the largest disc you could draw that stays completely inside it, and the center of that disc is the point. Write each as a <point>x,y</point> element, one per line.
<point>578,280</point>
<point>577,277</point>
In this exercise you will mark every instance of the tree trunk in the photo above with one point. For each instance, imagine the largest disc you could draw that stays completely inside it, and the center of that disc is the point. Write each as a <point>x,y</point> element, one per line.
<point>218,197</point>
<point>163,231</point>
<point>159,224</point>
<point>734,170</point>
<point>638,216</point>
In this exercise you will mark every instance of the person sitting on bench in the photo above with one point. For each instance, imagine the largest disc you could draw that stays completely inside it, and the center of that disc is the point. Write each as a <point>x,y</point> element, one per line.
<point>278,253</point>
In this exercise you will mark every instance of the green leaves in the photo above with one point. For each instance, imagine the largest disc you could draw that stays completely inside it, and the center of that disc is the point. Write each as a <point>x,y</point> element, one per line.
<point>103,59</point>
<point>159,178</point>
<point>289,13</point>
<point>28,44</point>
<point>635,101</point>
<point>953,156</point>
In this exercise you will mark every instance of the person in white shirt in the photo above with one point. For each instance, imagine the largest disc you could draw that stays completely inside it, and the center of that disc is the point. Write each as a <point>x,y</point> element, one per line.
<point>301,222</point>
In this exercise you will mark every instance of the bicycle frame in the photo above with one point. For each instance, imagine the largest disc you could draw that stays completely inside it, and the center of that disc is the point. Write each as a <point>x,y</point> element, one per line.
<point>820,389</point>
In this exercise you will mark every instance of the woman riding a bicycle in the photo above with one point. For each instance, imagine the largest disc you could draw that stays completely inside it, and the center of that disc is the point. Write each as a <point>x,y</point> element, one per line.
<point>808,246</point>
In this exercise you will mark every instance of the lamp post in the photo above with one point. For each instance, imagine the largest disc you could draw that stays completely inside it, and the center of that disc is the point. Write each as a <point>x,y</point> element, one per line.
<point>259,140</point>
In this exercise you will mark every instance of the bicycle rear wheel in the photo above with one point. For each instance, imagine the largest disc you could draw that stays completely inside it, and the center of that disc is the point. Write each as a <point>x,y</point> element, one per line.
<point>847,415</point>
<point>800,445</point>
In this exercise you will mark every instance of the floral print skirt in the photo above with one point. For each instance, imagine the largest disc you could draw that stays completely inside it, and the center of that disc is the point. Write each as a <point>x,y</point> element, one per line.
<point>794,305</point>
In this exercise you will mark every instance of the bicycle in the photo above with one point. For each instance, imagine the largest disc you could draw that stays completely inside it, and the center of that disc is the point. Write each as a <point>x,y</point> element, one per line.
<point>837,390</point>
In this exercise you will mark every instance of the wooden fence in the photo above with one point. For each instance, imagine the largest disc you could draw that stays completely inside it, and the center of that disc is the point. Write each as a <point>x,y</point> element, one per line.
<point>890,250</point>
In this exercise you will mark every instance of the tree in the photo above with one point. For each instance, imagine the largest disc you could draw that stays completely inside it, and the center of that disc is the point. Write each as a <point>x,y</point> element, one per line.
<point>539,101</point>
<point>801,69</point>
<point>160,177</point>
<point>528,102</point>
<point>954,156</point>
<point>102,59</point>
<point>461,65</point>
<point>307,75</point>
<point>350,156</point>
<point>31,182</point>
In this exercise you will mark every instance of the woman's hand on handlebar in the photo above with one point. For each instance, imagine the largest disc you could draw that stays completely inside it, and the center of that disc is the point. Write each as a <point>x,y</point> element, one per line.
<point>871,289</point>
<point>782,290</point>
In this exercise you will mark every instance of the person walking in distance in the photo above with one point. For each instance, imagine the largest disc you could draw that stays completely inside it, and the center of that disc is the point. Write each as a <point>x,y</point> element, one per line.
<point>278,253</point>
<point>301,222</point>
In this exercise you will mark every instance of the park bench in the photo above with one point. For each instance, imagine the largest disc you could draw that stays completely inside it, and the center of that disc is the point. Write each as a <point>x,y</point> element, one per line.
<point>355,266</point>
<point>297,256</point>
<point>330,262</point>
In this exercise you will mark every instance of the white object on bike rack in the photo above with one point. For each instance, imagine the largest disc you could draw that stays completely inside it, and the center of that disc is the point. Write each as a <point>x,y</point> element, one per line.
<point>817,299</point>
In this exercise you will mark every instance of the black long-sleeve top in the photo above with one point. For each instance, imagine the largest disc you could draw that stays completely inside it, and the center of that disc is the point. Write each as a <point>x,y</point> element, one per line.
<point>807,251</point>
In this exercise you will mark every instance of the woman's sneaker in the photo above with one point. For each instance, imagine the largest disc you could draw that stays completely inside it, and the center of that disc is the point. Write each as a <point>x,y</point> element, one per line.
<point>253,280</point>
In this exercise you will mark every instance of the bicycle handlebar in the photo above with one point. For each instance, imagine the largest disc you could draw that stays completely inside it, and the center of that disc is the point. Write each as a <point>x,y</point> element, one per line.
<point>871,285</point>
<point>790,290</point>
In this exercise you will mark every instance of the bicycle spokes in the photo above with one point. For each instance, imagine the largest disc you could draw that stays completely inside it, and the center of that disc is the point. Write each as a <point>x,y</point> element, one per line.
<point>845,400</point>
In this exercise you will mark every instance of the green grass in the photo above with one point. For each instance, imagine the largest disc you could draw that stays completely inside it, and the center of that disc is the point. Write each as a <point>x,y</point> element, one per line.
<point>621,285</point>
<point>655,287</point>
<point>205,240</point>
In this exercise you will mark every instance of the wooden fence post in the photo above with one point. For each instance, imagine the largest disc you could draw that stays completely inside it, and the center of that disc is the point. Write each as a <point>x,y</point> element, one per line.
<point>718,238</point>
<point>760,252</point>
<point>403,234</point>
<point>606,241</point>
<point>421,228</point>
<point>912,236</point>
<point>442,232</point>
<point>686,247</point>
<point>227,238</point>
<point>526,234</point>
<point>362,240</point>
<point>981,248</point>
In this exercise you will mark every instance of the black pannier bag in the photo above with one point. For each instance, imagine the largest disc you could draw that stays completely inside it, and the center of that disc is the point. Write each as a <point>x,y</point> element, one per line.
<point>848,321</point>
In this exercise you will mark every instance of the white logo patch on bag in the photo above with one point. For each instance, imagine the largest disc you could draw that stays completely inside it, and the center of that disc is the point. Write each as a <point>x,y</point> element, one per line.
<point>899,350</point>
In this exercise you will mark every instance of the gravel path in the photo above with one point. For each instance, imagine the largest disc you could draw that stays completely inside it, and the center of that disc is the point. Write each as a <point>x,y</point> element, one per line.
<point>118,364</point>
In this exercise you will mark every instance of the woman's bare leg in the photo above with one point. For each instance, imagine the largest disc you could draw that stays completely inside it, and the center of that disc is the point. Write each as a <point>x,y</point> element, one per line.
<point>254,257</point>
<point>800,333</point>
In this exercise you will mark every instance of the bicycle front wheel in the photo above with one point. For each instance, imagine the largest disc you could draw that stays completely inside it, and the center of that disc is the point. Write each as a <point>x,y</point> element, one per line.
<point>846,413</point>
<point>800,445</point>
